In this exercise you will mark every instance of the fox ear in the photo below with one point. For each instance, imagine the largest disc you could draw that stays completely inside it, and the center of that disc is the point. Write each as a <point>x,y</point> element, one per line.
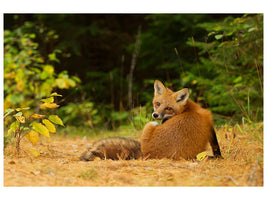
<point>182,95</point>
<point>159,88</point>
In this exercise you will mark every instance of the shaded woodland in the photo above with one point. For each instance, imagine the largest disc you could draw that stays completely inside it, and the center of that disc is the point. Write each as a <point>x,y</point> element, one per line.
<point>105,65</point>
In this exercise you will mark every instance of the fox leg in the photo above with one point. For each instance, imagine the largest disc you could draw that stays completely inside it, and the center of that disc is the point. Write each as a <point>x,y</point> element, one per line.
<point>214,144</point>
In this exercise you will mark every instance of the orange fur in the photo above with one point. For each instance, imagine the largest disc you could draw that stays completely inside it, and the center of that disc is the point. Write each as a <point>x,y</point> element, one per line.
<point>184,135</point>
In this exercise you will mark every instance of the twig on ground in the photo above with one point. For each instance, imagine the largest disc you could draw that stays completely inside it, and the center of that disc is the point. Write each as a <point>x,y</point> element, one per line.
<point>252,174</point>
<point>229,178</point>
<point>182,167</point>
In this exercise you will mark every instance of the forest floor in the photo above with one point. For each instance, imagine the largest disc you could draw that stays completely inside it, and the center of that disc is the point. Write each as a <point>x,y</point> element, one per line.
<point>59,165</point>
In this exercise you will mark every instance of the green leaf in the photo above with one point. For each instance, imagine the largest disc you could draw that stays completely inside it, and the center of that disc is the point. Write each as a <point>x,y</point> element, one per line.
<point>32,36</point>
<point>53,57</point>
<point>26,129</point>
<point>251,29</point>
<point>44,75</point>
<point>16,98</point>
<point>230,33</point>
<point>40,128</point>
<point>238,79</point>
<point>55,119</point>
<point>10,131</point>
<point>18,114</point>
<point>13,127</point>
<point>76,79</point>
<point>8,112</point>
<point>239,128</point>
<point>217,37</point>
<point>211,33</point>
<point>61,83</point>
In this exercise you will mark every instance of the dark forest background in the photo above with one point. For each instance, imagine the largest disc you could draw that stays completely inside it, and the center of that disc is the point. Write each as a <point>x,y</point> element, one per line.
<point>105,65</point>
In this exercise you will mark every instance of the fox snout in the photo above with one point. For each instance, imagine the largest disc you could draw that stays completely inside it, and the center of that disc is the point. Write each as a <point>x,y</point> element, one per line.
<point>161,116</point>
<point>156,116</point>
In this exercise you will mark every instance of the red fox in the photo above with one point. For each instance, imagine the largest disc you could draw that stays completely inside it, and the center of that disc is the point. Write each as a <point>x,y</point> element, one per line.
<point>114,148</point>
<point>186,129</point>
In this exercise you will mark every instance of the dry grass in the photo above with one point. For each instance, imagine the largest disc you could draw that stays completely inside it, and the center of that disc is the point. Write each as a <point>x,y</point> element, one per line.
<point>58,165</point>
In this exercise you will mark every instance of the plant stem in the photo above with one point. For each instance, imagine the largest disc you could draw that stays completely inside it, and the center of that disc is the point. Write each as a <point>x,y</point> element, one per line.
<point>18,138</point>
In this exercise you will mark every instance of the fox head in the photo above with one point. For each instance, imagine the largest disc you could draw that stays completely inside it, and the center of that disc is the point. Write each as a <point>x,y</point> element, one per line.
<point>168,103</point>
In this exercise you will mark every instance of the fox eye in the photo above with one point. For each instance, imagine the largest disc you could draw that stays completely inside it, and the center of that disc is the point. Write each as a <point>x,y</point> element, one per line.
<point>168,108</point>
<point>157,104</point>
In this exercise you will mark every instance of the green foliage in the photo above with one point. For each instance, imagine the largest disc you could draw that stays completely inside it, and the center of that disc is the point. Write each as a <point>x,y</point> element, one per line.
<point>25,124</point>
<point>218,57</point>
<point>230,67</point>
<point>141,116</point>
<point>28,75</point>
<point>81,114</point>
<point>252,128</point>
<point>89,174</point>
<point>96,116</point>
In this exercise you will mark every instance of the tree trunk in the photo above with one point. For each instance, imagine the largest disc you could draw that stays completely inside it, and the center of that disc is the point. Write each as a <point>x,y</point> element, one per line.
<point>133,63</point>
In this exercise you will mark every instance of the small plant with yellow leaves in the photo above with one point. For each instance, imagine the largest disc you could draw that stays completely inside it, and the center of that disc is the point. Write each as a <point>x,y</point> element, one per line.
<point>34,124</point>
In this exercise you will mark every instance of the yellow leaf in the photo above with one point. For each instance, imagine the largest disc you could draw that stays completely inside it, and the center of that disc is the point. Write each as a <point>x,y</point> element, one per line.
<point>40,60</point>
<point>49,125</point>
<point>10,75</point>
<point>12,66</point>
<point>71,82</point>
<point>55,94</point>
<point>34,152</point>
<point>55,119</point>
<point>201,156</point>
<point>10,131</point>
<point>20,85</point>
<point>40,128</point>
<point>194,82</point>
<point>43,106</point>
<point>21,119</point>
<point>33,137</point>
<point>49,69</point>
<point>48,105</point>
<point>37,116</point>
<point>52,105</point>
<point>19,109</point>
<point>61,83</point>
<point>48,100</point>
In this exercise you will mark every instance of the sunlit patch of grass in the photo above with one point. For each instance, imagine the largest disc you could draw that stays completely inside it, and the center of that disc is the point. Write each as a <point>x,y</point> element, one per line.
<point>88,174</point>
<point>242,164</point>
<point>89,133</point>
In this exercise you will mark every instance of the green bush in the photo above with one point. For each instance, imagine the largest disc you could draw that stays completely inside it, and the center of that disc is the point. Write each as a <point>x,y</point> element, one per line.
<point>29,125</point>
<point>230,67</point>
<point>28,76</point>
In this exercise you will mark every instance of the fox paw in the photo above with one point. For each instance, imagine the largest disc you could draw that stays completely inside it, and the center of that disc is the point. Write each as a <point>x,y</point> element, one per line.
<point>154,123</point>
